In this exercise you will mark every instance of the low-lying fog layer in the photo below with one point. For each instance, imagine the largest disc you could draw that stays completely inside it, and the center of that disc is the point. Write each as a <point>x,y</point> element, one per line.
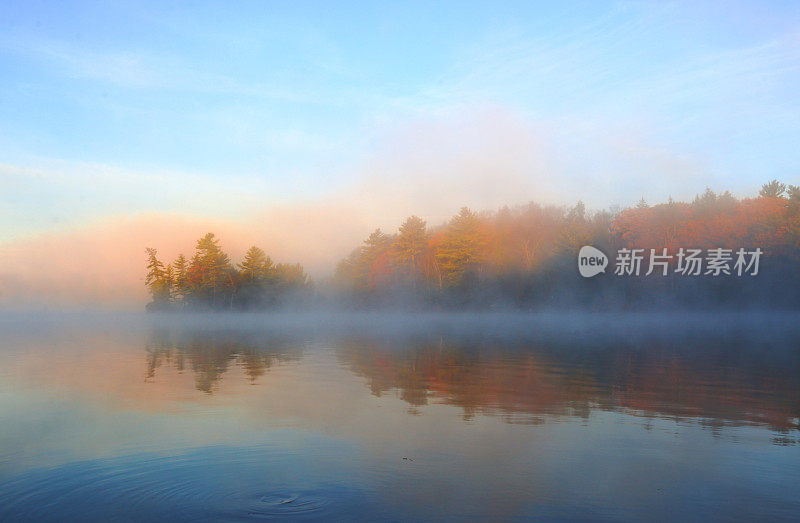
<point>583,327</point>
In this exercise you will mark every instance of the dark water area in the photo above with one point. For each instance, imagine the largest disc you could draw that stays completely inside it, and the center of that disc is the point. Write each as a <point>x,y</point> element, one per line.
<point>400,417</point>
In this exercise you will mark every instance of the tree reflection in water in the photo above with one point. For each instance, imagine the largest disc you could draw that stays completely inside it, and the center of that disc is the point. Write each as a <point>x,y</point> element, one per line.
<point>209,354</point>
<point>715,382</point>
<point>717,378</point>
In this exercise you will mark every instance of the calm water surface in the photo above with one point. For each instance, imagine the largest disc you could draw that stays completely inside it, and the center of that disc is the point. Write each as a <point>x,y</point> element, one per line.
<point>399,417</point>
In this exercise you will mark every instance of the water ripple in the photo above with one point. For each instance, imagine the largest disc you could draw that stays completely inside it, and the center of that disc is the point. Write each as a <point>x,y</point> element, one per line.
<point>220,484</point>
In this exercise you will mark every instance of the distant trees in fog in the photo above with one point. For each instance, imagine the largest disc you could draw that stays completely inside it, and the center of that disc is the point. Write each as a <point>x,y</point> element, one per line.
<point>525,256</point>
<point>516,257</point>
<point>210,281</point>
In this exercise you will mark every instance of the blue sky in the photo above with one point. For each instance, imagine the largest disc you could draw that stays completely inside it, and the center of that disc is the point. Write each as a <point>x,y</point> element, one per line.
<point>221,109</point>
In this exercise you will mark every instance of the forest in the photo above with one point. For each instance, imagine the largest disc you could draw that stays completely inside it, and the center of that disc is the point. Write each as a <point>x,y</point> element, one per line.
<point>521,257</point>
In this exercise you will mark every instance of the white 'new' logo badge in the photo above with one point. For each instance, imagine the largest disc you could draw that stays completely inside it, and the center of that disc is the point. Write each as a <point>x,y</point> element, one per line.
<point>591,261</point>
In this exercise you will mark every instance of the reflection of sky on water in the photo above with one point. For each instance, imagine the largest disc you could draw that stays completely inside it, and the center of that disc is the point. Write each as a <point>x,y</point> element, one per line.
<point>487,425</point>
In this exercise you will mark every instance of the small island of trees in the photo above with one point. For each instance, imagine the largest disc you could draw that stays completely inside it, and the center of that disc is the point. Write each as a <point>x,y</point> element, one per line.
<point>209,281</point>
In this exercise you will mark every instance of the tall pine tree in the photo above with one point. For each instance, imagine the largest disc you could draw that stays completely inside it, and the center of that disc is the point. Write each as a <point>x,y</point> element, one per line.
<point>462,249</point>
<point>410,246</point>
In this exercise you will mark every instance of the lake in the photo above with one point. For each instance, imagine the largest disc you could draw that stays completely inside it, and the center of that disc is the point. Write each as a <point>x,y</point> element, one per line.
<point>399,417</point>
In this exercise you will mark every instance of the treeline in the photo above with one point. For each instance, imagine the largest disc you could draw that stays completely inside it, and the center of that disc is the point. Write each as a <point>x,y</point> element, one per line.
<point>522,257</point>
<point>526,256</point>
<point>210,281</point>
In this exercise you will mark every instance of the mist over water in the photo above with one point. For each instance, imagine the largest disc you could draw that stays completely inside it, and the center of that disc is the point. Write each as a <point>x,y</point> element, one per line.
<point>400,416</point>
<point>399,261</point>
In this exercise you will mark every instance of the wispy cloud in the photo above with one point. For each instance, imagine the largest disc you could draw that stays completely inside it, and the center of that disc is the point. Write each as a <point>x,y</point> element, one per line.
<point>143,69</point>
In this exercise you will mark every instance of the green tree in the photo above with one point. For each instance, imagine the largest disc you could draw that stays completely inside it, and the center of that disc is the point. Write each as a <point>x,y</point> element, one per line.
<point>376,245</point>
<point>706,200</point>
<point>169,282</point>
<point>578,212</point>
<point>347,270</point>
<point>256,273</point>
<point>462,249</point>
<point>358,268</point>
<point>158,281</point>
<point>215,277</point>
<point>793,216</point>
<point>291,283</point>
<point>410,245</point>
<point>290,276</point>
<point>773,189</point>
<point>574,232</point>
<point>180,271</point>
<point>256,267</point>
